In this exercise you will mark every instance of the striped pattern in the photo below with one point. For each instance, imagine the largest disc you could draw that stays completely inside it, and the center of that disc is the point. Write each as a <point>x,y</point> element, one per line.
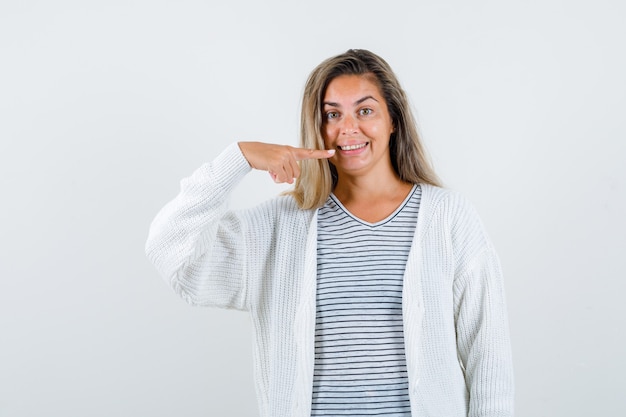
<point>264,260</point>
<point>360,366</point>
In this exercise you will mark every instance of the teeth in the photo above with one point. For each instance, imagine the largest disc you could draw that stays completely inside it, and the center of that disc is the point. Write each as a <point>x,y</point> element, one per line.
<point>352,147</point>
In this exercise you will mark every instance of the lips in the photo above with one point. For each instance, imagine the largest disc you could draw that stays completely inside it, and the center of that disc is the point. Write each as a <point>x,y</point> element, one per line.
<point>352,147</point>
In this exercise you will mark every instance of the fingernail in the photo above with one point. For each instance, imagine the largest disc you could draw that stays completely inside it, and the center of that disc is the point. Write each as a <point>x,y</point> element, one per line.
<point>331,151</point>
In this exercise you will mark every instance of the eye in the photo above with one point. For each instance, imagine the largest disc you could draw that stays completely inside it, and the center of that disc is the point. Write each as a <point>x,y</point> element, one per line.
<point>365,112</point>
<point>332,115</point>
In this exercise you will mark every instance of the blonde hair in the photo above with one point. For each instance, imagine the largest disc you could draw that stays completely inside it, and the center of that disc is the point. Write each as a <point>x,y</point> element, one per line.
<point>408,156</point>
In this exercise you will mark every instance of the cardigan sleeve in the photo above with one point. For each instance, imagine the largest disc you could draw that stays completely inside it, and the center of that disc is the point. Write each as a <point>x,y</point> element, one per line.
<point>483,339</point>
<point>196,244</point>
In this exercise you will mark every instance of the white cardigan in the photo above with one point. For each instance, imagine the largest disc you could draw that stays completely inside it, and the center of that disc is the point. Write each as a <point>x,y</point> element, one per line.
<point>263,260</point>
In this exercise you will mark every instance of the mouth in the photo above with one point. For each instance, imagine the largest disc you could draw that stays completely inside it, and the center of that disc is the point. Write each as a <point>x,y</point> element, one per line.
<point>352,147</point>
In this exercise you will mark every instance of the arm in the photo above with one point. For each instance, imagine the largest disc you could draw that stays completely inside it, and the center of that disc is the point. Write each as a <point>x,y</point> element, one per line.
<point>483,340</point>
<point>195,243</point>
<point>199,246</point>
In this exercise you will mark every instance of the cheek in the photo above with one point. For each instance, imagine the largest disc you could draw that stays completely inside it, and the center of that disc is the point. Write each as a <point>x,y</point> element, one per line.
<point>326,141</point>
<point>378,130</point>
<point>328,135</point>
<point>372,131</point>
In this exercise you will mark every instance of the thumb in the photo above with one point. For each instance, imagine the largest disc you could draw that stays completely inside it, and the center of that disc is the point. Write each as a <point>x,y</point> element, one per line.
<point>301,153</point>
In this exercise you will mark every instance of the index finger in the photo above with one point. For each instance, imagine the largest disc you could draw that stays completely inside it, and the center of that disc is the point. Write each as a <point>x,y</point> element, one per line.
<point>301,153</point>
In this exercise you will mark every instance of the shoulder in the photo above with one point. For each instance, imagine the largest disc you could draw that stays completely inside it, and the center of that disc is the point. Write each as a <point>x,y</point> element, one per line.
<point>452,204</point>
<point>453,214</point>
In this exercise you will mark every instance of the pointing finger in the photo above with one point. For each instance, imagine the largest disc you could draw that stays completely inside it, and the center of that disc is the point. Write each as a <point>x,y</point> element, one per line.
<point>301,154</point>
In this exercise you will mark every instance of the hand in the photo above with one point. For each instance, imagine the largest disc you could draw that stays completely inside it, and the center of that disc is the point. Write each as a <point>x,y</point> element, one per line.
<point>281,161</point>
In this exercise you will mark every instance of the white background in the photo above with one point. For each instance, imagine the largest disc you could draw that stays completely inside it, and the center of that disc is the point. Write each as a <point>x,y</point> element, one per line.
<point>105,106</point>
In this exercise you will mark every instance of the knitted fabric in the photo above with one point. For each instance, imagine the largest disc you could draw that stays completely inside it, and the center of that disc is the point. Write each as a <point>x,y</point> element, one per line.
<point>263,260</point>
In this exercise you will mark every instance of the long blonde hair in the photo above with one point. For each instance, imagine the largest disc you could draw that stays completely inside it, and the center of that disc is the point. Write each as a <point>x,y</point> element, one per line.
<point>408,156</point>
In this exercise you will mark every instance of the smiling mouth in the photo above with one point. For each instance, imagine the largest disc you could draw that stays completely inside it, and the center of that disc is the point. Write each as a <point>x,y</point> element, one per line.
<point>352,147</point>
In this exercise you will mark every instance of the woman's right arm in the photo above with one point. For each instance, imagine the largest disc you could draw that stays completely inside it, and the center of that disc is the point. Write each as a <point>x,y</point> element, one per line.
<point>195,243</point>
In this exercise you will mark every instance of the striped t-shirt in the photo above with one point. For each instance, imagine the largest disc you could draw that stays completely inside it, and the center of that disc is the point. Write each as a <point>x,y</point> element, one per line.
<point>360,367</point>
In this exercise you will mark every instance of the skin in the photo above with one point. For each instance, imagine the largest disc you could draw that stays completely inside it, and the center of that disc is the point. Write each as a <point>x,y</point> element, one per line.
<point>281,161</point>
<point>355,115</point>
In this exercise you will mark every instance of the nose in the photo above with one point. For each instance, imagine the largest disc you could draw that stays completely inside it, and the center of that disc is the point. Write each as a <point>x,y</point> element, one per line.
<point>349,125</point>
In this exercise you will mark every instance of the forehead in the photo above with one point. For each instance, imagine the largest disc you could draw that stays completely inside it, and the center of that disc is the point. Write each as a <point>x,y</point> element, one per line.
<point>352,87</point>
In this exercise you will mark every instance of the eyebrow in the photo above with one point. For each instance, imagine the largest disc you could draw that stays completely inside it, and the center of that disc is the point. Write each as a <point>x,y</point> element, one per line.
<point>356,103</point>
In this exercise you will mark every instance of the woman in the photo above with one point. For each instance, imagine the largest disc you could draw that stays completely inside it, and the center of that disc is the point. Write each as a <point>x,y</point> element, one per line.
<point>372,290</point>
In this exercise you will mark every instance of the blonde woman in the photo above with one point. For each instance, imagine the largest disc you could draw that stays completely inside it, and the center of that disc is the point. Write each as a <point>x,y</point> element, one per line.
<point>372,290</point>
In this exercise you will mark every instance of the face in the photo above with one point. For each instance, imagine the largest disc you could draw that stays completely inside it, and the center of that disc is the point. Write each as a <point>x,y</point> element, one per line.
<point>357,125</point>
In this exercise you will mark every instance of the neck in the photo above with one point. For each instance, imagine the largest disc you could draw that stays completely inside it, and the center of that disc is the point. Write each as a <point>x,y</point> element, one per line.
<point>373,199</point>
<point>371,188</point>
